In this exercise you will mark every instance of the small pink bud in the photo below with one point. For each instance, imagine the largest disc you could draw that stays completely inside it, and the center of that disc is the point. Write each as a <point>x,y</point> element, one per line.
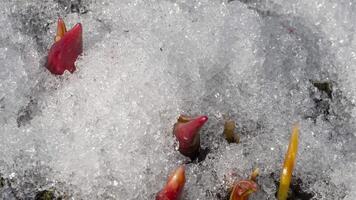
<point>174,186</point>
<point>186,131</point>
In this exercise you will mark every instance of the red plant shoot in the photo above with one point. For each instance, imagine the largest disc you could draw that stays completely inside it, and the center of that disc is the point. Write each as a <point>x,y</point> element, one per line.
<point>67,47</point>
<point>186,131</point>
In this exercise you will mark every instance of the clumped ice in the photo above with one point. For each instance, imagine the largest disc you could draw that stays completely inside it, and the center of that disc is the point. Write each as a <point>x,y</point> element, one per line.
<point>105,132</point>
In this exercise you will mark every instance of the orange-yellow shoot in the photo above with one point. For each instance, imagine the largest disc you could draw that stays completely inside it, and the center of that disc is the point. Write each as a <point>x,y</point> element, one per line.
<point>289,163</point>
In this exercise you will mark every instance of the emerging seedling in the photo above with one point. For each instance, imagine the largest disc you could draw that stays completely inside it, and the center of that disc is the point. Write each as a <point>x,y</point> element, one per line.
<point>289,163</point>
<point>229,132</point>
<point>61,29</point>
<point>186,131</point>
<point>174,186</point>
<point>242,189</point>
<point>68,45</point>
<point>254,174</point>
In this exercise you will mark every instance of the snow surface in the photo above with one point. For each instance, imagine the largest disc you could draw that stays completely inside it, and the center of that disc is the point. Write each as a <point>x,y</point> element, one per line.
<point>105,132</point>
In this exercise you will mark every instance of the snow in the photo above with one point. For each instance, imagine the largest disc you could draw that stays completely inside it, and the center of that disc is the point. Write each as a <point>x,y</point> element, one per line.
<point>105,131</point>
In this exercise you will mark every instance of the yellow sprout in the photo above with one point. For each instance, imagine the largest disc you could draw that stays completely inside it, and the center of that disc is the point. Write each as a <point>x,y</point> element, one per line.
<point>61,29</point>
<point>289,163</point>
<point>254,174</point>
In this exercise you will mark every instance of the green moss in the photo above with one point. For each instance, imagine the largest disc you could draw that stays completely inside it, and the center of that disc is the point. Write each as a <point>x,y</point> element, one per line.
<point>2,182</point>
<point>45,195</point>
<point>324,87</point>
